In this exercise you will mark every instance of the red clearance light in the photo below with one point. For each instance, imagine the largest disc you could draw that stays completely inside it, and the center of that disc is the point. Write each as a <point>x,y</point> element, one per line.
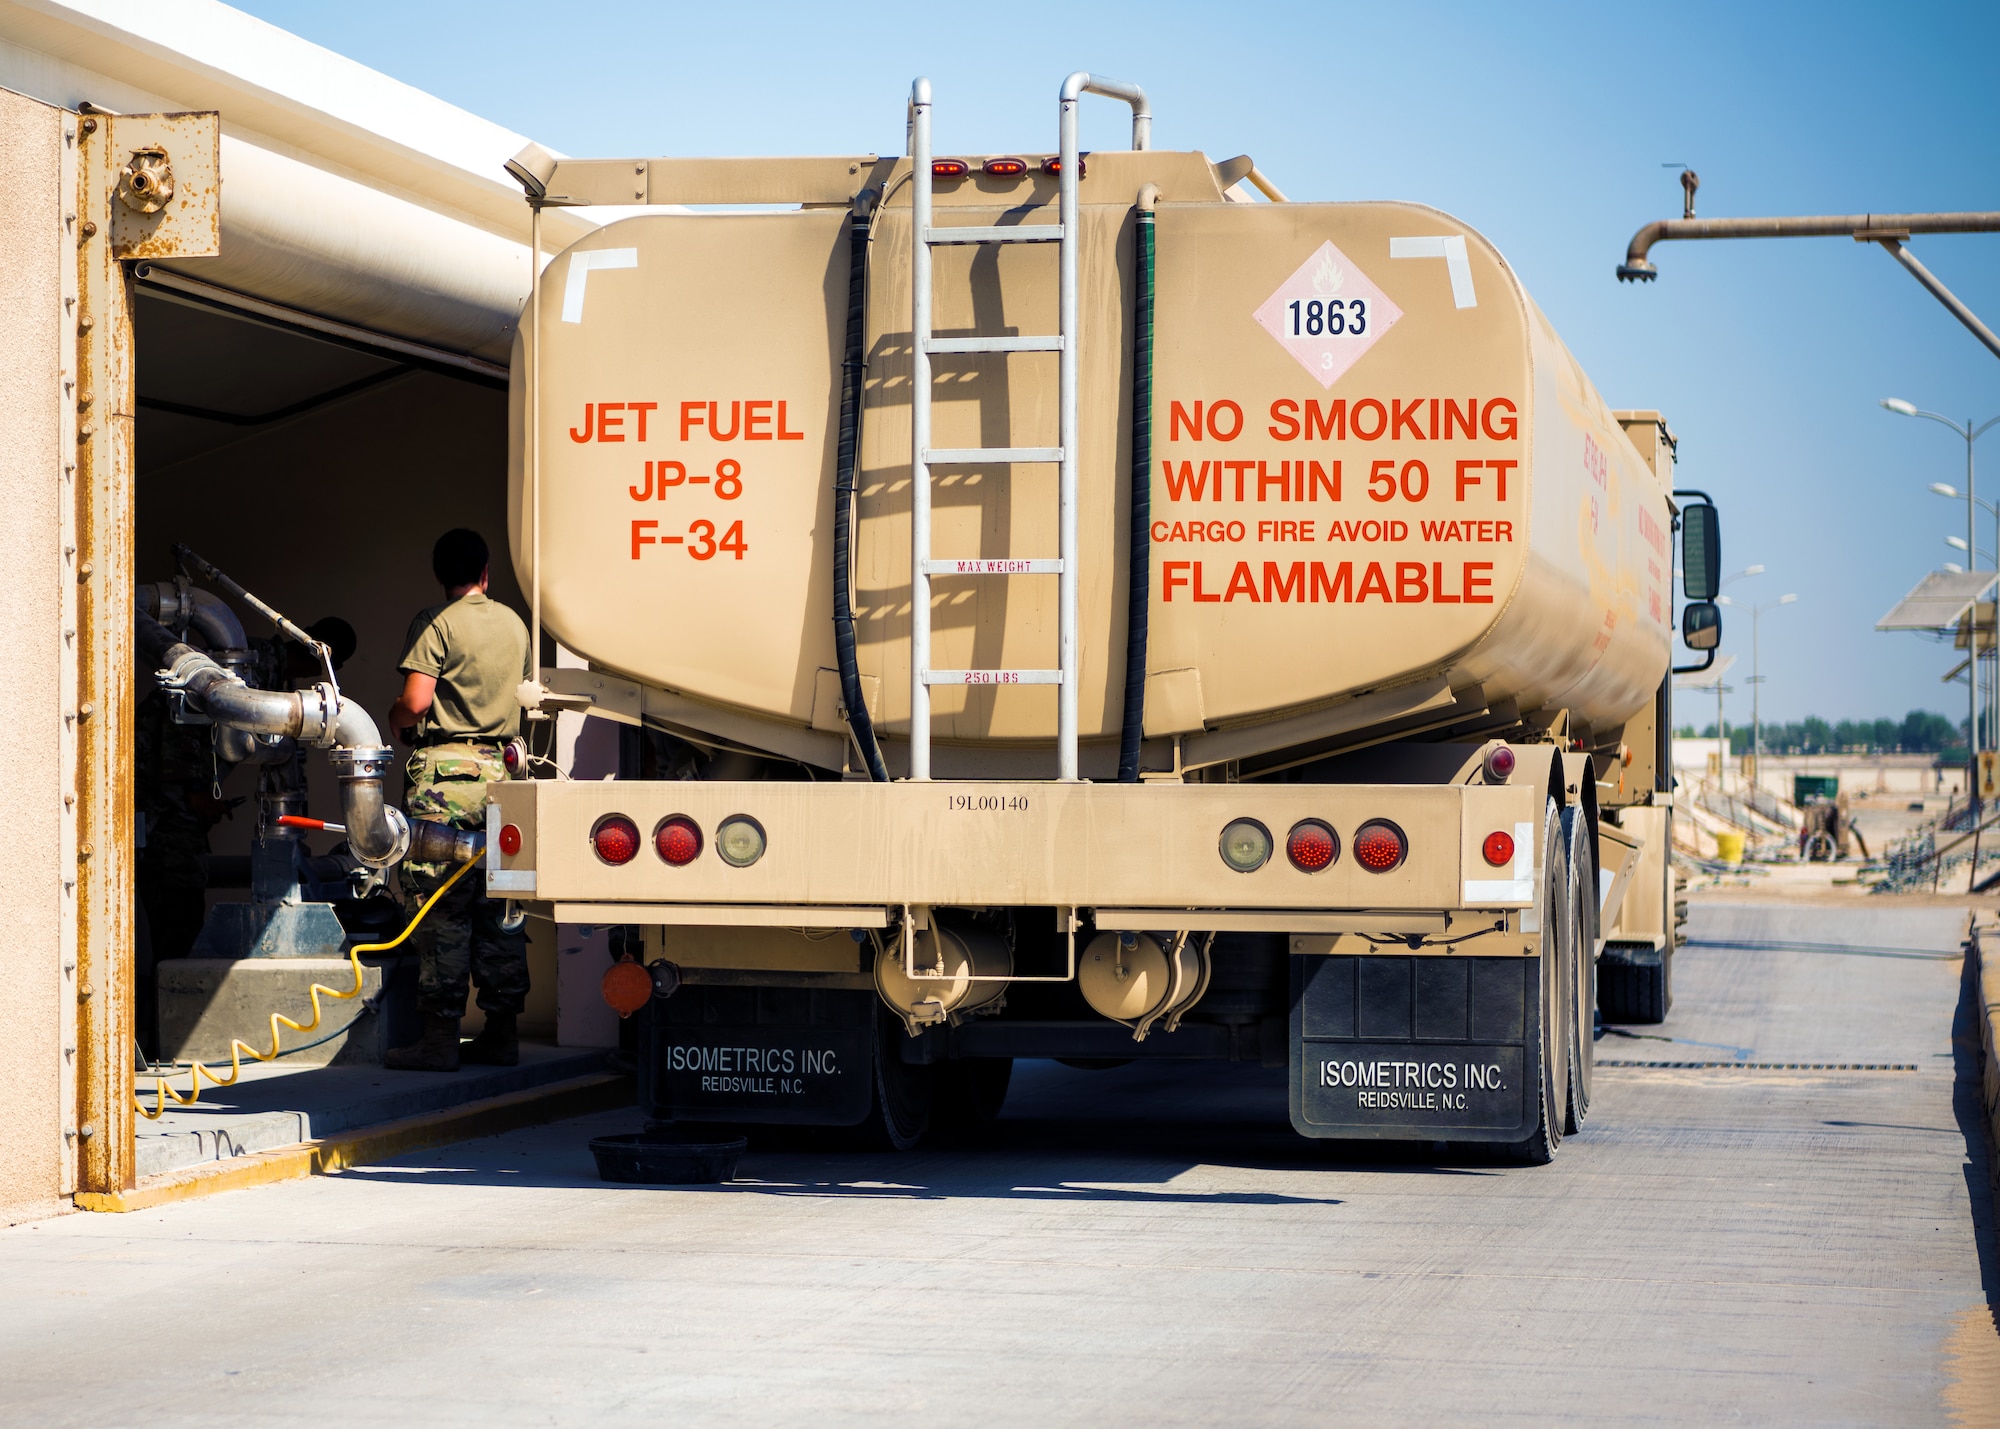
<point>678,840</point>
<point>948,168</point>
<point>616,839</point>
<point>1311,846</point>
<point>1004,168</point>
<point>1379,845</point>
<point>1498,849</point>
<point>510,839</point>
<point>1054,166</point>
<point>1499,763</point>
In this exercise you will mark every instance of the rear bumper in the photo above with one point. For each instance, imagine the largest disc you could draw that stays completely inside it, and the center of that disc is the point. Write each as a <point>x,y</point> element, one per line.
<point>1144,854</point>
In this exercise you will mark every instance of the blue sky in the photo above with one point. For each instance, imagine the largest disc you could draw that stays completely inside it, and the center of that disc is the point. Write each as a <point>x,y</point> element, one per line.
<point>1543,126</point>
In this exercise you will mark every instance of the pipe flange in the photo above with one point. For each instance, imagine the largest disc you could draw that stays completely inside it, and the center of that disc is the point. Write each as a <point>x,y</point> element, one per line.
<point>361,763</point>
<point>398,850</point>
<point>319,712</point>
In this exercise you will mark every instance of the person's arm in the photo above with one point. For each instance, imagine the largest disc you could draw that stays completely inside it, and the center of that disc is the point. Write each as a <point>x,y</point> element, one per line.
<point>412,705</point>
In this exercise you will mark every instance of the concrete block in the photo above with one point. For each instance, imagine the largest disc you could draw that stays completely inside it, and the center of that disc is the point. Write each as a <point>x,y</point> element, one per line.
<point>206,1002</point>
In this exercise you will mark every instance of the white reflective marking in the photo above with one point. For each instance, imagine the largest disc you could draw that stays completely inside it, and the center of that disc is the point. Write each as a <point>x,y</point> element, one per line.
<point>1456,263</point>
<point>580,265</point>
<point>1499,890</point>
<point>1524,850</point>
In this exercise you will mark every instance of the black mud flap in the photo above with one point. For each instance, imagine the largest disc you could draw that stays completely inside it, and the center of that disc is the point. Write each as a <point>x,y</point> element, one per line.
<point>1415,1048</point>
<point>768,1055</point>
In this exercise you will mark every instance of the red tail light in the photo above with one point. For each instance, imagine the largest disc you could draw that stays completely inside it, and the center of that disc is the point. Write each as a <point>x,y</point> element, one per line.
<point>1379,845</point>
<point>510,841</point>
<point>1004,168</point>
<point>1498,848</point>
<point>616,839</point>
<point>678,840</point>
<point>948,168</point>
<point>1499,763</point>
<point>1311,846</point>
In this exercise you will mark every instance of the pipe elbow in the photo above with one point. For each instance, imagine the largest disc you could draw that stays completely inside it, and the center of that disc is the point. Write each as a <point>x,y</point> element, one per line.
<point>354,727</point>
<point>1637,267</point>
<point>377,833</point>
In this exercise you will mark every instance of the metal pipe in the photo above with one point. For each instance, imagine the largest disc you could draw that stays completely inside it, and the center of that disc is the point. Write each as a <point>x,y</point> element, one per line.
<point>1264,185</point>
<point>1636,266</point>
<point>1083,82</point>
<point>377,834</point>
<point>1068,182</point>
<point>920,424</point>
<point>1944,295</point>
<point>202,611</point>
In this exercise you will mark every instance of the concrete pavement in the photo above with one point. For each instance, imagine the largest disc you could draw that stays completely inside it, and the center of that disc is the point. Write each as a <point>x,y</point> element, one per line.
<point>1149,1244</point>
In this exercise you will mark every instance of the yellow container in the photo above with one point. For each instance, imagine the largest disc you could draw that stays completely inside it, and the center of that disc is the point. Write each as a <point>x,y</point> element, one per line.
<point>1729,848</point>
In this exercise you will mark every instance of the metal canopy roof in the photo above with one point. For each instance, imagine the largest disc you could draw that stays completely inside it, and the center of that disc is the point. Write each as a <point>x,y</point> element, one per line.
<point>1938,601</point>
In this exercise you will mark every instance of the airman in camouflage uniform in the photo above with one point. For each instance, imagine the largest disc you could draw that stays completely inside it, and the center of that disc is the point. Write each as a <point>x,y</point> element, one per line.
<point>462,664</point>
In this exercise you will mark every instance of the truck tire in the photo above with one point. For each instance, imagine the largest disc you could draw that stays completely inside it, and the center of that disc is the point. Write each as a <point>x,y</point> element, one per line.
<point>1635,983</point>
<point>970,1092</point>
<point>1581,937</point>
<point>1547,1067</point>
<point>904,1094</point>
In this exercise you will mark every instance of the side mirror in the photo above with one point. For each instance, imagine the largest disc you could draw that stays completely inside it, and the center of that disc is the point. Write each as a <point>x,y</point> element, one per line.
<point>1701,555</point>
<point>1701,625</point>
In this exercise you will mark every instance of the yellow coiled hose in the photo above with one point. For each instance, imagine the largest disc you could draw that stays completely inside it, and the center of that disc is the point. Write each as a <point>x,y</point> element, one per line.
<point>237,1046</point>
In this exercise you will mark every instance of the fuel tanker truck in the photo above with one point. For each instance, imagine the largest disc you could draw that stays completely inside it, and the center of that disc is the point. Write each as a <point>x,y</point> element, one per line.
<point>1070,605</point>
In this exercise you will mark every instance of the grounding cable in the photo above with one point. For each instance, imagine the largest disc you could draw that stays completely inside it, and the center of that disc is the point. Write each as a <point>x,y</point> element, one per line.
<point>237,1046</point>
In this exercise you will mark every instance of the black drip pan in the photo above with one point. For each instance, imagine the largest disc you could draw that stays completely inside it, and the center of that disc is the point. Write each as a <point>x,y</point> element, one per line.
<point>668,1156</point>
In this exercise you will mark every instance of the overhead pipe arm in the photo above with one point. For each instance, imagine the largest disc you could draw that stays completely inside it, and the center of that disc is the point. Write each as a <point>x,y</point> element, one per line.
<point>1887,229</point>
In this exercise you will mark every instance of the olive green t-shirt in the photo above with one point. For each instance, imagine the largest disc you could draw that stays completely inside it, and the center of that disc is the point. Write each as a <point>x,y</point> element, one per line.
<point>477,650</point>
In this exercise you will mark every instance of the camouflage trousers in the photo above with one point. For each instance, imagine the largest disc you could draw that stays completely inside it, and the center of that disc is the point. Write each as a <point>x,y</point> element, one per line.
<point>461,943</point>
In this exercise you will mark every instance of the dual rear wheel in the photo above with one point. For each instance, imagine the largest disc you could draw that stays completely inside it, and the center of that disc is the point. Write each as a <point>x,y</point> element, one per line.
<point>1564,1050</point>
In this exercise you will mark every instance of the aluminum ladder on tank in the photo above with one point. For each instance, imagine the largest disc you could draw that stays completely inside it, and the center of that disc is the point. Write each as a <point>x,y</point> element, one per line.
<point>924,344</point>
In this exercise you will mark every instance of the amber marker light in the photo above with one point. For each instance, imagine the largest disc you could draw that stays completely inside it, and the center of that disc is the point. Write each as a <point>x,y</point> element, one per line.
<point>1311,846</point>
<point>1379,846</point>
<point>616,839</point>
<point>678,840</point>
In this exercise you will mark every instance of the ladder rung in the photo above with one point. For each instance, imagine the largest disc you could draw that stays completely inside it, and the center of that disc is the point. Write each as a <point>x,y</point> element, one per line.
<point>1042,343</point>
<point>965,456</point>
<point>1038,566</point>
<point>1015,233</point>
<point>993,677</point>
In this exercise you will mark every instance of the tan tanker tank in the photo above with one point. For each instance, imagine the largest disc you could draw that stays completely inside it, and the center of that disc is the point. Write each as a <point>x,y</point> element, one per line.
<point>1374,465</point>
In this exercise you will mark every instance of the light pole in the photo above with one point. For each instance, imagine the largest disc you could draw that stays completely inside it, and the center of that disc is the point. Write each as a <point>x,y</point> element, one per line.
<point>1756,683</point>
<point>1971,434</point>
<point>1721,731</point>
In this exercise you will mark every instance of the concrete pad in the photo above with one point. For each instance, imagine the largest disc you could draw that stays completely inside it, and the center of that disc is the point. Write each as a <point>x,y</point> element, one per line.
<point>277,1104</point>
<point>1144,1245</point>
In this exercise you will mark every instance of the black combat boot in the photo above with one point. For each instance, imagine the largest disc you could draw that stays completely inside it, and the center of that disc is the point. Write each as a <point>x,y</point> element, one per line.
<point>497,1045</point>
<point>435,1051</point>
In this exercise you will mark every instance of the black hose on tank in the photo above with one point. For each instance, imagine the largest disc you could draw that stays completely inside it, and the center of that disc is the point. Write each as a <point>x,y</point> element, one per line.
<point>1138,592</point>
<point>852,368</point>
